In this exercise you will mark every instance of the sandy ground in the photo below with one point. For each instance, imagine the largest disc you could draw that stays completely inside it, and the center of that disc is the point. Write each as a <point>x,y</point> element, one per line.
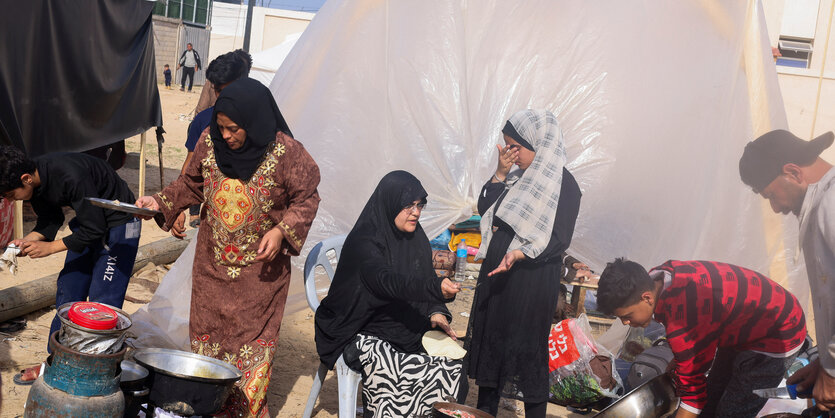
<point>296,360</point>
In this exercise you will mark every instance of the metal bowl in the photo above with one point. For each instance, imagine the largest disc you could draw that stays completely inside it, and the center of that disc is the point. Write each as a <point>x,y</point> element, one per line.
<point>186,383</point>
<point>655,398</point>
<point>187,365</point>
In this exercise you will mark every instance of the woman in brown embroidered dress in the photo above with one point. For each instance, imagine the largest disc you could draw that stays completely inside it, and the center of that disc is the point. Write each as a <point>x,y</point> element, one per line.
<point>259,189</point>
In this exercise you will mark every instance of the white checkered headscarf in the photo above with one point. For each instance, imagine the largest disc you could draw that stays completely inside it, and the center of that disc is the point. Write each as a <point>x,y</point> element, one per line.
<point>530,203</point>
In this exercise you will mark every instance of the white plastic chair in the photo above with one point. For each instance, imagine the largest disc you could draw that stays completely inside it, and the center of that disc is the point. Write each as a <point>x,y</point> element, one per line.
<point>347,379</point>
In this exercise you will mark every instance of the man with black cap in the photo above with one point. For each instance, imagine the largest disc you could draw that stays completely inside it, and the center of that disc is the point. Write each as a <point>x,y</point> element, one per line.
<point>790,173</point>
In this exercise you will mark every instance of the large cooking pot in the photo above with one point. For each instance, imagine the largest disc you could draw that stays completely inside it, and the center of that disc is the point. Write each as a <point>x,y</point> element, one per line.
<point>186,383</point>
<point>655,398</point>
<point>437,406</point>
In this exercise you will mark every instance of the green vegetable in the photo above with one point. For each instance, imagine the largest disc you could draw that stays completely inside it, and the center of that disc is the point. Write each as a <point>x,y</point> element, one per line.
<point>577,389</point>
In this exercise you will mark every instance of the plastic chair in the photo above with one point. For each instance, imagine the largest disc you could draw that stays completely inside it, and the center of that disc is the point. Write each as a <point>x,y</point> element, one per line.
<point>347,379</point>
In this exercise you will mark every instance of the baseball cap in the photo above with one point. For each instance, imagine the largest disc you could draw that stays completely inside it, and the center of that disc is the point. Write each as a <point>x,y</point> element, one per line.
<point>764,158</point>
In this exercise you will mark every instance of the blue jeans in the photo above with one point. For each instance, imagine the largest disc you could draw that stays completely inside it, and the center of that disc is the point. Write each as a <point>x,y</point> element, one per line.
<point>101,272</point>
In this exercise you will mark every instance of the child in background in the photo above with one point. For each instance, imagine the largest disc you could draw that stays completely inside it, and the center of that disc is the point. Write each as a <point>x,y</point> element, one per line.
<point>167,74</point>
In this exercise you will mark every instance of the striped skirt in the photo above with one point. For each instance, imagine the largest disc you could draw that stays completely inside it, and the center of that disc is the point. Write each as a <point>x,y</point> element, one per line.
<point>396,384</point>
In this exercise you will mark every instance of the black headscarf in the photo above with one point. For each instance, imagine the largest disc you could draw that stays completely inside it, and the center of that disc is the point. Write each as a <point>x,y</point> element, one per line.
<point>401,261</point>
<point>251,106</point>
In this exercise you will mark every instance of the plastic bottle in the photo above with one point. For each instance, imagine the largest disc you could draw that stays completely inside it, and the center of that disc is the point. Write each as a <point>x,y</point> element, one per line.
<point>461,261</point>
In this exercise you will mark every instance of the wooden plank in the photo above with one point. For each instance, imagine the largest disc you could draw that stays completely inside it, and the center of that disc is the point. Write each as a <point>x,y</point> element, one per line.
<point>40,293</point>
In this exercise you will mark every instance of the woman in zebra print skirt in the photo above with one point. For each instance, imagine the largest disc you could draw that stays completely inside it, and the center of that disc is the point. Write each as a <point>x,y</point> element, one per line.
<point>383,298</point>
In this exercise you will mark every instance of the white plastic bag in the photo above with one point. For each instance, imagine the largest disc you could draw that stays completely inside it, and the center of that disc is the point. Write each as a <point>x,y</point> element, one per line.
<point>163,322</point>
<point>572,379</point>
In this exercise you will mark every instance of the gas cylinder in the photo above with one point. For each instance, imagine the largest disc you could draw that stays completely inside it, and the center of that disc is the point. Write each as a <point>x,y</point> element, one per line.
<point>76,384</point>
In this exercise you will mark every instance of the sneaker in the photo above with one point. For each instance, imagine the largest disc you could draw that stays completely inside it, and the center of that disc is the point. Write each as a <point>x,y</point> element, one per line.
<point>182,89</point>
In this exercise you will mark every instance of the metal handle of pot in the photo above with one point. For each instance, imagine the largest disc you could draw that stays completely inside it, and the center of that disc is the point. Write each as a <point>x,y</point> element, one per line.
<point>140,393</point>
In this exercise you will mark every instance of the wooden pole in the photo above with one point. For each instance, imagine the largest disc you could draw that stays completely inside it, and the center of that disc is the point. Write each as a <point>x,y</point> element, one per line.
<point>18,219</point>
<point>40,293</point>
<point>823,66</point>
<point>142,164</point>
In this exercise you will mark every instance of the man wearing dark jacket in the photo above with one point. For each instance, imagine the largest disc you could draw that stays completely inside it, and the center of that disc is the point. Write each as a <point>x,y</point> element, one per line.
<point>189,61</point>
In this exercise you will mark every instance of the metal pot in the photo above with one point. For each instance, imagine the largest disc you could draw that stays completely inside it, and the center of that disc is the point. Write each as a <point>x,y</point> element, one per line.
<point>133,385</point>
<point>186,383</point>
<point>655,398</point>
<point>436,413</point>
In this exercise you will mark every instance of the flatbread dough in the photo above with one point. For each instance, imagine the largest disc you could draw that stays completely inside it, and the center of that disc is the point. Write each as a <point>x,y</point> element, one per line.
<point>438,343</point>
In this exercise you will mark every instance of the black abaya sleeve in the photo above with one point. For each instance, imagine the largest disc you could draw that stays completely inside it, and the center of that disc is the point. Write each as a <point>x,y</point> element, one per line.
<point>489,194</point>
<point>382,281</point>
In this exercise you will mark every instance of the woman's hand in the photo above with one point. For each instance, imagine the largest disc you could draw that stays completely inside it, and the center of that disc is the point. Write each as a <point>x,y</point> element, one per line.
<point>179,227</point>
<point>507,157</point>
<point>146,202</point>
<point>450,288</point>
<point>508,261</point>
<point>580,266</point>
<point>439,321</point>
<point>270,243</point>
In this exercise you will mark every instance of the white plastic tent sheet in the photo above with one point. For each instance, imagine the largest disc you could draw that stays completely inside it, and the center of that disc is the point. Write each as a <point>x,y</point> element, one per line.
<point>656,99</point>
<point>265,63</point>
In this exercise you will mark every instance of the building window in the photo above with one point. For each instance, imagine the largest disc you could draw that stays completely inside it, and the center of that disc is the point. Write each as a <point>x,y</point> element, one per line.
<point>194,12</point>
<point>794,53</point>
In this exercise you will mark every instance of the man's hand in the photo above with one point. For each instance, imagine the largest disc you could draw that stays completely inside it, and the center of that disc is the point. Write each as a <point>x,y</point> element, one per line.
<point>146,202</point>
<point>38,249</point>
<point>270,243</point>
<point>439,321</point>
<point>824,391</point>
<point>824,384</point>
<point>508,261</point>
<point>179,227</point>
<point>449,288</point>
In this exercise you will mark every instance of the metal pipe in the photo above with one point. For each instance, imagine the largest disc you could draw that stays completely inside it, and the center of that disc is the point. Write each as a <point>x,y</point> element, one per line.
<point>248,30</point>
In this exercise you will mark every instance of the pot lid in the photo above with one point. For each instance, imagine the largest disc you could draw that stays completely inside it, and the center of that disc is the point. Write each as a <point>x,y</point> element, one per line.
<point>93,315</point>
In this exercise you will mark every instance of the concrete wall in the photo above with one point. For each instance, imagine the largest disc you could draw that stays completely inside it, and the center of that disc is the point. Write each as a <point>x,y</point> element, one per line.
<point>799,86</point>
<point>166,40</point>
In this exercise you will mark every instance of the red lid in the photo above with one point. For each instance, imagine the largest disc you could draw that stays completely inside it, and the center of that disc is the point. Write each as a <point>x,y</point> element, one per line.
<point>93,315</point>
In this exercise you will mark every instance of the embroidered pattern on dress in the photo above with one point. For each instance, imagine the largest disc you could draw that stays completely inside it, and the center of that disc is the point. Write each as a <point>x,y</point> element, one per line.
<point>238,212</point>
<point>291,233</point>
<point>164,199</point>
<point>254,360</point>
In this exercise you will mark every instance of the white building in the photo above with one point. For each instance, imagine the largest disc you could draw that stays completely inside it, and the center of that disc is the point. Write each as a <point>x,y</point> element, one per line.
<point>802,32</point>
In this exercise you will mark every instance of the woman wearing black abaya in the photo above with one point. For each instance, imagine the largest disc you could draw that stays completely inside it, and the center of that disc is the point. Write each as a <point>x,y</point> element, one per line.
<point>383,298</point>
<point>259,189</point>
<point>527,222</point>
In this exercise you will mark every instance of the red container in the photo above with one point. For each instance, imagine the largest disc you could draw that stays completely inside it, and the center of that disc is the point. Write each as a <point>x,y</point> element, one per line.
<point>93,315</point>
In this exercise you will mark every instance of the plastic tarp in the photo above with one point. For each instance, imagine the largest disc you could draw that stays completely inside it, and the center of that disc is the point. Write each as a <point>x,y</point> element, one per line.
<point>163,322</point>
<point>76,75</point>
<point>656,101</point>
<point>265,63</point>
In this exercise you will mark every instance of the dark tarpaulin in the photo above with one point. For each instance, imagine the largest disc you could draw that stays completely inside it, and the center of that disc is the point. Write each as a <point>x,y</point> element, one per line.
<point>76,74</point>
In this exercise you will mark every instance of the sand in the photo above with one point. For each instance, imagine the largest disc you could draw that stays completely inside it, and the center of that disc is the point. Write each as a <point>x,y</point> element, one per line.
<point>296,360</point>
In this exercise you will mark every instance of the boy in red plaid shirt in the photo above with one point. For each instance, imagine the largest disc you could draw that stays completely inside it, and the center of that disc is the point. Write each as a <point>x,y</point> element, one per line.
<point>736,323</point>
